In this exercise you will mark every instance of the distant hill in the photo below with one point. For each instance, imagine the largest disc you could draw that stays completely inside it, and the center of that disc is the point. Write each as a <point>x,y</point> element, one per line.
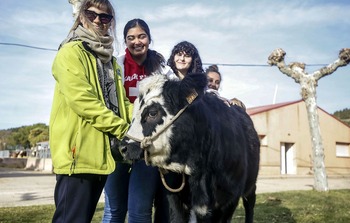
<point>23,137</point>
<point>343,115</point>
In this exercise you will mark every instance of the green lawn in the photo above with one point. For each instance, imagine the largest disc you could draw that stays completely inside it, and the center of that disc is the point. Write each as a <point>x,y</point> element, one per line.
<point>283,207</point>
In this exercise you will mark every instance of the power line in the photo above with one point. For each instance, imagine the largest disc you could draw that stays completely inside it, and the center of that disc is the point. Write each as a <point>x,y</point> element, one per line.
<point>255,65</point>
<point>219,64</point>
<point>23,45</point>
<point>238,65</point>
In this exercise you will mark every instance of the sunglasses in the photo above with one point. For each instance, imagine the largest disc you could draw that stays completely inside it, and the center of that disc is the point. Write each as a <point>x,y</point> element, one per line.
<point>104,18</point>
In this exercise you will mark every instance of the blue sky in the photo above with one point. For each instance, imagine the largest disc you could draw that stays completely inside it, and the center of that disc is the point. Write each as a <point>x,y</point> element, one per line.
<point>224,31</point>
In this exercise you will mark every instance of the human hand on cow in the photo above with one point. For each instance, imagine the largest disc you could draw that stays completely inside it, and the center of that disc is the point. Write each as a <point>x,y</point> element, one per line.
<point>235,101</point>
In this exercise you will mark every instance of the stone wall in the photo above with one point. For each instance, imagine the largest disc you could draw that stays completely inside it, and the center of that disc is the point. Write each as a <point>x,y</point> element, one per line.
<point>30,163</point>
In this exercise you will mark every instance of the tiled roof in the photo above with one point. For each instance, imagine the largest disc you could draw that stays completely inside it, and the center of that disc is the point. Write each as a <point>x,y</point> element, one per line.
<point>265,108</point>
<point>259,109</point>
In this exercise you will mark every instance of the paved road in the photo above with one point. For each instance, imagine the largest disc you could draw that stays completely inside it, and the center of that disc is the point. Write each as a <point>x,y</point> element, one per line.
<point>26,188</point>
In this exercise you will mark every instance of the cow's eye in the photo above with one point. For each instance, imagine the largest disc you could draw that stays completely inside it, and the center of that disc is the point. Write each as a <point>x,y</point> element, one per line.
<point>152,114</point>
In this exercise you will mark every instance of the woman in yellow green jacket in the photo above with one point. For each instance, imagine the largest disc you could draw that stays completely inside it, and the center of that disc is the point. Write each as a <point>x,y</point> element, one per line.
<point>90,112</point>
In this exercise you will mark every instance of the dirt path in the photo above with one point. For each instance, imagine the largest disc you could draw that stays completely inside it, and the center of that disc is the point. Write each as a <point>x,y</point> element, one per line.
<point>26,188</point>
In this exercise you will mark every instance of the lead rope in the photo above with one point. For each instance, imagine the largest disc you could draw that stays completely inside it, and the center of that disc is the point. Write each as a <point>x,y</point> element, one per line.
<point>166,185</point>
<point>147,141</point>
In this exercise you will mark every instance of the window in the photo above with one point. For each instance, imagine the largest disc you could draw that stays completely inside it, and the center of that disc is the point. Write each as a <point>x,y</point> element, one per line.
<point>342,149</point>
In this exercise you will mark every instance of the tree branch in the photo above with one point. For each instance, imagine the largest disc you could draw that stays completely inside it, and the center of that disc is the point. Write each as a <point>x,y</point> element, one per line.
<point>344,59</point>
<point>294,70</point>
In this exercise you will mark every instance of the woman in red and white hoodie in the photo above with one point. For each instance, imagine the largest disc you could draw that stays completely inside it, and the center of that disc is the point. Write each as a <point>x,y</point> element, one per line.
<point>125,189</point>
<point>139,61</point>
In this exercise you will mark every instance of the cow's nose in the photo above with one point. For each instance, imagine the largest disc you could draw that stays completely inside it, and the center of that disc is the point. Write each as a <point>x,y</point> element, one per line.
<point>122,149</point>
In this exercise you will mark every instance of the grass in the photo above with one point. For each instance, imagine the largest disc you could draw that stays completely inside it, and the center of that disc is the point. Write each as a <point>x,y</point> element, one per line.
<point>283,207</point>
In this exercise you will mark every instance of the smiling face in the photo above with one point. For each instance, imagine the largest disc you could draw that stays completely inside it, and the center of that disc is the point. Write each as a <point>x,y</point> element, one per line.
<point>93,17</point>
<point>137,42</point>
<point>214,80</point>
<point>182,63</point>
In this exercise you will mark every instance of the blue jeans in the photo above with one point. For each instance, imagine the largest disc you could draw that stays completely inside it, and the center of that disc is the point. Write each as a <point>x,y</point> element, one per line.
<point>134,191</point>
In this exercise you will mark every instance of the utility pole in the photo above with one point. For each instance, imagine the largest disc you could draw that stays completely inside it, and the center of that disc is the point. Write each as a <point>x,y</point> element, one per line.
<point>308,84</point>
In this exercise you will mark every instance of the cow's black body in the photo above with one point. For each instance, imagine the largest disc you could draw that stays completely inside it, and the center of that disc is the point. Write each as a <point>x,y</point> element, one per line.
<point>215,145</point>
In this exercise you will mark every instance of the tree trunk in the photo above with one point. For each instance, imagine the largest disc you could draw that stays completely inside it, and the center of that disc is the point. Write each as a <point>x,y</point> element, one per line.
<point>320,176</point>
<point>308,92</point>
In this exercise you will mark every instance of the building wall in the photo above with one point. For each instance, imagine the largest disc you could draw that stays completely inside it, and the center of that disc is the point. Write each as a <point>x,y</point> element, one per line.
<point>289,124</point>
<point>333,131</point>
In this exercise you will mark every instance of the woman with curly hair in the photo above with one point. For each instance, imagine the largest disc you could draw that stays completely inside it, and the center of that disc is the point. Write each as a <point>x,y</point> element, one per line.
<point>185,59</point>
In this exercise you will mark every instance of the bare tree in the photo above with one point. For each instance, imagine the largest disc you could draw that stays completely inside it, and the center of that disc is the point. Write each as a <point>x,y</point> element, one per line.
<point>308,84</point>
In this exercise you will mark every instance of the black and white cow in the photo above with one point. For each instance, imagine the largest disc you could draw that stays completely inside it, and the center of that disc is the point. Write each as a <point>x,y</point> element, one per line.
<point>216,146</point>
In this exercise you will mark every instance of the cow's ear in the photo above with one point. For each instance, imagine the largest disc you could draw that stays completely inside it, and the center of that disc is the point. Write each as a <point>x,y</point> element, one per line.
<point>196,81</point>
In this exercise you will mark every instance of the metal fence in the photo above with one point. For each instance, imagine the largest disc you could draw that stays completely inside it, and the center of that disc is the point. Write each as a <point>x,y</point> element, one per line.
<point>41,150</point>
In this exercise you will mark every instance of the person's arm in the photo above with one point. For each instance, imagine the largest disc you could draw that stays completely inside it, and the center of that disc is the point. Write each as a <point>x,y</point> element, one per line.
<point>80,90</point>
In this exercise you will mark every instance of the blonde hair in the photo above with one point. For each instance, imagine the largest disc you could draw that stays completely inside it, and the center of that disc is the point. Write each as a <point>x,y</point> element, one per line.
<point>100,4</point>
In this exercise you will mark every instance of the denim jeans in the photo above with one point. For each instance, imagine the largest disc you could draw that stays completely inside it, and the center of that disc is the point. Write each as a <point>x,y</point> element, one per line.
<point>134,191</point>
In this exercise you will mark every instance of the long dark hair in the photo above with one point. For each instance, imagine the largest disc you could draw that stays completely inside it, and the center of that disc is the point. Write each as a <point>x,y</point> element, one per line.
<point>190,49</point>
<point>154,60</point>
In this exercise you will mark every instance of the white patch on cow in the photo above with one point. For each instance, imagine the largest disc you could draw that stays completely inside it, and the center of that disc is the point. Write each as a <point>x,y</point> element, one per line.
<point>175,167</point>
<point>201,210</point>
<point>151,89</point>
<point>188,170</point>
<point>135,130</point>
<point>192,217</point>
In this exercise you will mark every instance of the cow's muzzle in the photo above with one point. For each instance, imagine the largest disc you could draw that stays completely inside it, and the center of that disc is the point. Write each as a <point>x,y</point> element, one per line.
<point>131,150</point>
